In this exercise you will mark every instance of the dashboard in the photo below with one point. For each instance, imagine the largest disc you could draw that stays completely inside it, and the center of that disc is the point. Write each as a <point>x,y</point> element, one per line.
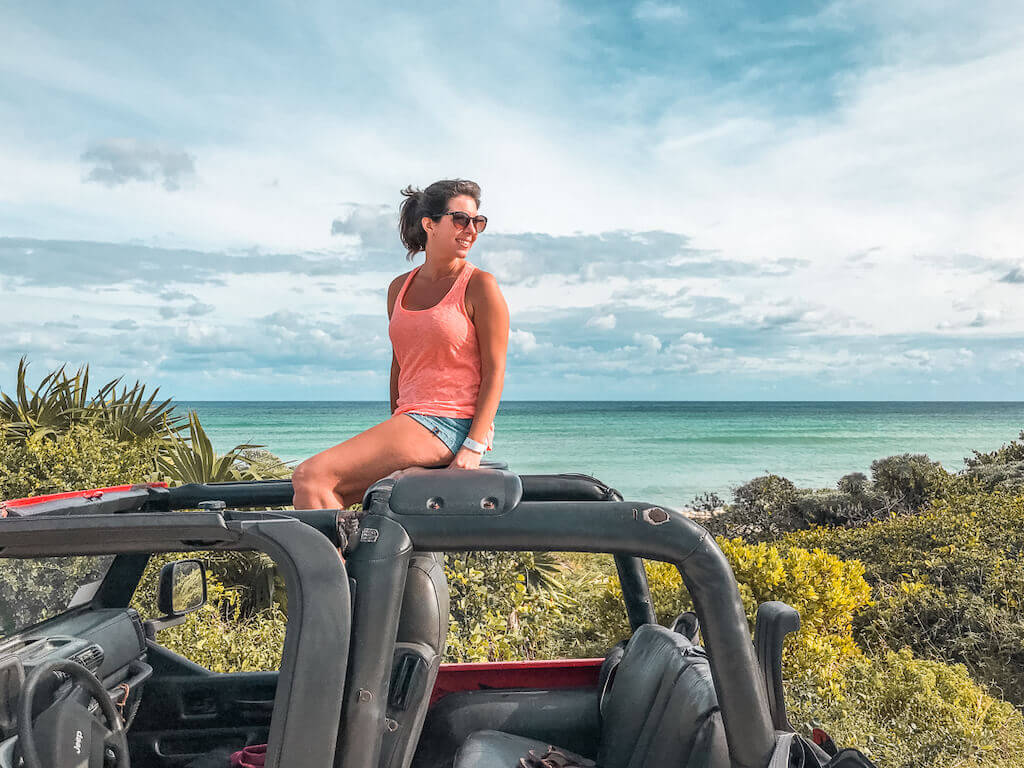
<point>110,643</point>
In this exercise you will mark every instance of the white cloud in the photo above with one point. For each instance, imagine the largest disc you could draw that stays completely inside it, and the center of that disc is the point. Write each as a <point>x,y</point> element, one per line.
<point>521,342</point>
<point>119,161</point>
<point>695,339</point>
<point>647,342</point>
<point>602,322</point>
<point>739,225</point>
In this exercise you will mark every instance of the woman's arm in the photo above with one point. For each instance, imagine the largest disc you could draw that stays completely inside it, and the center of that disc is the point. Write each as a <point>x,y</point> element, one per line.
<point>393,290</point>
<point>489,313</point>
<point>394,382</point>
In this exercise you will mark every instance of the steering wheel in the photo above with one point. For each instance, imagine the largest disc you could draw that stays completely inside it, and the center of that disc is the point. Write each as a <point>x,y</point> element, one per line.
<point>68,732</point>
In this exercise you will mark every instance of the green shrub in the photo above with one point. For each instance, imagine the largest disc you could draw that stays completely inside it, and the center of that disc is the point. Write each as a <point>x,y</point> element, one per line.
<point>1007,454</point>
<point>954,625</point>
<point>838,508</point>
<point>853,484</point>
<point>83,457</point>
<point>763,509</point>
<point>1006,476</point>
<point>948,583</point>
<point>229,644</point>
<point>227,634</point>
<point>905,712</point>
<point>493,615</point>
<point>909,480</point>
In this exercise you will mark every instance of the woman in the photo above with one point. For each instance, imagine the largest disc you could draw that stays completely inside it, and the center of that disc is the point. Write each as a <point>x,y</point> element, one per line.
<point>449,335</point>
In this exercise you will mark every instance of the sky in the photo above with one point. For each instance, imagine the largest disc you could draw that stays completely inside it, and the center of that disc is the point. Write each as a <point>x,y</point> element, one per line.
<point>733,200</point>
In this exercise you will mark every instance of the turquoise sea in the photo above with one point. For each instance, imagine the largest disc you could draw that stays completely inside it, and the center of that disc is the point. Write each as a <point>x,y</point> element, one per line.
<point>665,452</point>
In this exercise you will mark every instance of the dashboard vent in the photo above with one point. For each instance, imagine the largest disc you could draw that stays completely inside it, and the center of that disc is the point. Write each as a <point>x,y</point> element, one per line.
<point>91,657</point>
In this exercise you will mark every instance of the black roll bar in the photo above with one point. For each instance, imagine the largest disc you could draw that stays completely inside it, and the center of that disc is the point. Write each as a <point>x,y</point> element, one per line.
<point>634,529</point>
<point>625,529</point>
<point>307,705</point>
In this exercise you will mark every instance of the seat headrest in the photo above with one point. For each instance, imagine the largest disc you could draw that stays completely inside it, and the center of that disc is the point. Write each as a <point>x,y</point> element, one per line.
<point>424,617</point>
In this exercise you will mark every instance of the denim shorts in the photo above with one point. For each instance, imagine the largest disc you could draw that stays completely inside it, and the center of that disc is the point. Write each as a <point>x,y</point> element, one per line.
<point>451,432</point>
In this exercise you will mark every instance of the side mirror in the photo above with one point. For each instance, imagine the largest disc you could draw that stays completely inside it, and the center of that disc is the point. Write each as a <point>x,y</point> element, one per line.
<point>180,591</point>
<point>182,588</point>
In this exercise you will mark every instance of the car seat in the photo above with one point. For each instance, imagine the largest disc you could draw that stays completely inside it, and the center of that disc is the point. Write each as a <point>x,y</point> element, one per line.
<point>422,632</point>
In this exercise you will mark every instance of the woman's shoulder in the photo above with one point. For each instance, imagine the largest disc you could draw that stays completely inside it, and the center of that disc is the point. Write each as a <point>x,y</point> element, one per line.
<point>481,281</point>
<point>395,288</point>
<point>396,284</point>
<point>482,291</point>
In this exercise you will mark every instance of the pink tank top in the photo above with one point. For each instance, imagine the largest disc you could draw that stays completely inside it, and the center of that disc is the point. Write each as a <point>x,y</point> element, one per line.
<point>437,354</point>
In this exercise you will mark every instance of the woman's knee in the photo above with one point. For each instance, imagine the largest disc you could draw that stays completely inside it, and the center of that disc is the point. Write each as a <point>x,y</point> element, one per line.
<point>310,474</point>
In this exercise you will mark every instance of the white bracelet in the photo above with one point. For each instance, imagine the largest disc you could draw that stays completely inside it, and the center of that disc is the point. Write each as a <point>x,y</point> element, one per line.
<point>474,446</point>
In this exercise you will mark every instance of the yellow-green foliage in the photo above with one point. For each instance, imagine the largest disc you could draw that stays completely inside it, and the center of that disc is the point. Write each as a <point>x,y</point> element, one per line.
<point>252,644</point>
<point>220,636</point>
<point>824,589</point>
<point>83,457</point>
<point>948,583</point>
<point>493,616</point>
<point>905,712</point>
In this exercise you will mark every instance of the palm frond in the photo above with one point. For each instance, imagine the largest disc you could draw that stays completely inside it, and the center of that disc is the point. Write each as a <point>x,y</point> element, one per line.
<point>192,459</point>
<point>61,401</point>
<point>542,572</point>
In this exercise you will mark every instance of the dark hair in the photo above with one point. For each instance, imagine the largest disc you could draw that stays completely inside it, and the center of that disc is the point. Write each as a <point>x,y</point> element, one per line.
<point>430,202</point>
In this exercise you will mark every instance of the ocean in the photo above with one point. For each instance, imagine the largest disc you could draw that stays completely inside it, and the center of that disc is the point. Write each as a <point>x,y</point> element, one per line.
<point>663,452</point>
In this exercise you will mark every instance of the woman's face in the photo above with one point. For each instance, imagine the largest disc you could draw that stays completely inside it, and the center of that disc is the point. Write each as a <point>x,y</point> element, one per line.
<point>444,237</point>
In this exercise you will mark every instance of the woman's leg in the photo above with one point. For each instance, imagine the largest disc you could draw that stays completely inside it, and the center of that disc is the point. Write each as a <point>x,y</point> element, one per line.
<point>338,477</point>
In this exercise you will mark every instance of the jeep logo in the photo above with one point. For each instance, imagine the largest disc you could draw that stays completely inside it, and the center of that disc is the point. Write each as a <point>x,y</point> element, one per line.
<point>78,742</point>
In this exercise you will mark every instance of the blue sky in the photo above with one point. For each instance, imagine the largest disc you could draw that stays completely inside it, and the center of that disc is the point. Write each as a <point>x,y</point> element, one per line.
<point>687,201</point>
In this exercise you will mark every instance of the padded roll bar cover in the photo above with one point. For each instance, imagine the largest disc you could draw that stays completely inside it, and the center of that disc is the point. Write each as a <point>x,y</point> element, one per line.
<point>567,487</point>
<point>308,700</point>
<point>475,492</point>
<point>380,566</point>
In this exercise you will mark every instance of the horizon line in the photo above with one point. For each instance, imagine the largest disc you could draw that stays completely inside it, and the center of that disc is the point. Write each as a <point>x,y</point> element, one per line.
<point>621,400</point>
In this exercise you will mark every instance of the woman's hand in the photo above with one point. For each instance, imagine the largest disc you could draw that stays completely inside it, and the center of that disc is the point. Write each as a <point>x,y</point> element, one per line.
<point>466,459</point>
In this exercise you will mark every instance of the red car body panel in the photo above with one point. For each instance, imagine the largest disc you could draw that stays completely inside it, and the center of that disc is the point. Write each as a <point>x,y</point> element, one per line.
<point>93,493</point>
<point>498,675</point>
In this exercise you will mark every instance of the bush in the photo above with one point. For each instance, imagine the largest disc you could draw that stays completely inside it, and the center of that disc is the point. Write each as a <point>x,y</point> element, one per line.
<point>953,625</point>
<point>853,484</point>
<point>948,583</point>
<point>909,480</point>
<point>227,634</point>
<point>493,615</point>
<point>839,508</point>
<point>1005,476</point>
<point>83,457</point>
<point>1007,454</point>
<point>229,644</point>
<point>906,713</point>
<point>763,509</point>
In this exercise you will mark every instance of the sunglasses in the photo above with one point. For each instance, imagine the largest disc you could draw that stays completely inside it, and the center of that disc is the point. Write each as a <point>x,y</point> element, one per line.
<point>461,220</point>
